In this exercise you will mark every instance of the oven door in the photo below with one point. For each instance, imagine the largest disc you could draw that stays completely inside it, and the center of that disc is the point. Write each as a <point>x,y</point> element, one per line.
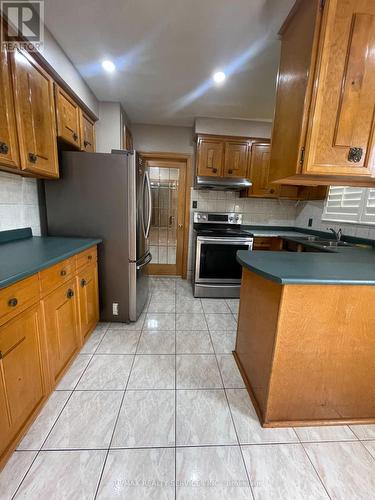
<point>215,259</point>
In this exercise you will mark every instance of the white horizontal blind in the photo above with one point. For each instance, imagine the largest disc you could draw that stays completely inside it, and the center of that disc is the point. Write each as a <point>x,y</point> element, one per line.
<point>344,204</point>
<point>368,212</point>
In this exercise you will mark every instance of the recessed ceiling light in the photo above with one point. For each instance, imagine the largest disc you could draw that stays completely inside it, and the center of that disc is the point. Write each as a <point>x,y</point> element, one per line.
<point>108,66</point>
<point>219,77</point>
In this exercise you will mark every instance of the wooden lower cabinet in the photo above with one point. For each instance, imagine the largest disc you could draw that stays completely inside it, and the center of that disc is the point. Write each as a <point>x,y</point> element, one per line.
<point>87,286</point>
<point>23,385</point>
<point>38,344</point>
<point>61,323</point>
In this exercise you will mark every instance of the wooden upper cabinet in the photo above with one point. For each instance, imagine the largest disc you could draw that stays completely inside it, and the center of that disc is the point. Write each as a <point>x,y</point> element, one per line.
<point>35,114</point>
<point>87,133</point>
<point>236,158</point>
<point>9,152</point>
<point>210,154</point>
<point>67,118</point>
<point>259,173</point>
<point>324,120</point>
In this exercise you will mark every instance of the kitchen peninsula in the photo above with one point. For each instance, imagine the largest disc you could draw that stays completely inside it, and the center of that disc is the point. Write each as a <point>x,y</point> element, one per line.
<point>306,335</point>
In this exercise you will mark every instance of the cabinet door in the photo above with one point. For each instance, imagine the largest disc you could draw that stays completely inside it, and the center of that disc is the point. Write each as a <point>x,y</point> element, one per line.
<point>22,388</point>
<point>60,316</point>
<point>210,157</point>
<point>87,285</point>
<point>236,159</point>
<point>341,133</point>
<point>87,133</point>
<point>259,173</point>
<point>67,113</point>
<point>35,114</point>
<point>9,153</point>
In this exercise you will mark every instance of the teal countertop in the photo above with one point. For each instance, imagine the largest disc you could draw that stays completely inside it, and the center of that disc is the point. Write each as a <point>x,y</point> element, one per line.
<point>22,254</point>
<point>344,265</point>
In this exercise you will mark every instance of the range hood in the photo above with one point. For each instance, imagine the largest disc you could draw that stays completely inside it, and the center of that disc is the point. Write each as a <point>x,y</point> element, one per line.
<point>221,183</point>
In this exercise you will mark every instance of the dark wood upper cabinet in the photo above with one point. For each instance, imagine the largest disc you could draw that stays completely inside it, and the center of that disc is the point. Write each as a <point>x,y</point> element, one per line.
<point>87,133</point>
<point>236,158</point>
<point>210,156</point>
<point>324,120</point>
<point>67,118</point>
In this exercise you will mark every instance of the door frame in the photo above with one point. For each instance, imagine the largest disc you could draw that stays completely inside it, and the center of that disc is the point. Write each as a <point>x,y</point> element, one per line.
<point>187,160</point>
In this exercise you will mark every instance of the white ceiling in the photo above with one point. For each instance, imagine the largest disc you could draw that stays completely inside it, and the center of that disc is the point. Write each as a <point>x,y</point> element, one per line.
<point>167,50</point>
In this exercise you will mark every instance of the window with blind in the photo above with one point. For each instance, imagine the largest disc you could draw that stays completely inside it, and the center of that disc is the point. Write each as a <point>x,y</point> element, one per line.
<point>350,204</point>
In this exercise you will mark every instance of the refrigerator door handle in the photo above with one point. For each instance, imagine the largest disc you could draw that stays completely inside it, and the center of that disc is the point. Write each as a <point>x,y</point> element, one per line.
<point>144,183</point>
<point>147,261</point>
<point>149,204</point>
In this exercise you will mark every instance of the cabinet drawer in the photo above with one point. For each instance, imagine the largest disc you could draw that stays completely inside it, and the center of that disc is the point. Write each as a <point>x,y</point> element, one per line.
<point>89,256</point>
<point>17,297</point>
<point>56,275</point>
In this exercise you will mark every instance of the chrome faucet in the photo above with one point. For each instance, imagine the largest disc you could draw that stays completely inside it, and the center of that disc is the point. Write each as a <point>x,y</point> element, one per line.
<point>336,234</point>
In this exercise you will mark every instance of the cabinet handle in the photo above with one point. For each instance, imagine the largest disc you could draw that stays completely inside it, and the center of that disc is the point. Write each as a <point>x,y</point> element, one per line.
<point>75,136</point>
<point>83,283</point>
<point>230,171</point>
<point>12,302</point>
<point>86,143</point>
<point>272,191</point>
<point>355,155</point>
<point>70,293</point>
<point>4,148</point>
<point>89,257</point>
<point>214,170</point>
<point>32,157</point>
<point>63,272</point>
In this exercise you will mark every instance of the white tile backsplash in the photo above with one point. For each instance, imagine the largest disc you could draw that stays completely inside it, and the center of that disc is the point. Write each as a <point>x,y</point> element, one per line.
<point>19,203</point>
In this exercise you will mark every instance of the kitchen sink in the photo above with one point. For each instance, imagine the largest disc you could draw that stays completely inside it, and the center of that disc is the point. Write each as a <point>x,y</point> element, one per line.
<point>331,243</point>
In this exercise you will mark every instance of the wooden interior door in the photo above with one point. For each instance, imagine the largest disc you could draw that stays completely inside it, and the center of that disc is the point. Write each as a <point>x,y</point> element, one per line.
<point>236,158</point>
<point>9,153</point>
<point>35,114</point>
<point>168,188</point>
<point>341,133</point>
<point>61,324</point>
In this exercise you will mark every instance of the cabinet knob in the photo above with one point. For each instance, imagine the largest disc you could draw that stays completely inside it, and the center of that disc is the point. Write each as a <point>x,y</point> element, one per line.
<point>355,155</point>
<point>75,136</point>
<point>230,171</point>
<point>272,191</point>
<point>12,302</point>
<point>32,157</point>
<point>62,272</point>
<point>89,257</point>
<point>83,283</point>
<point>4,148</point>
<point>214,170</point>
<point>86,143</point>
<point>70,293</point>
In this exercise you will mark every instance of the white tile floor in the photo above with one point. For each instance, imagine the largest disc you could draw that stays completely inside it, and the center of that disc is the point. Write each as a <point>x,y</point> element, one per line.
<point>158,409</point>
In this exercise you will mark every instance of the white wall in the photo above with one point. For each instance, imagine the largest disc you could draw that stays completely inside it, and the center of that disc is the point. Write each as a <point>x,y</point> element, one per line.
<point>222,126</point>
<point>108,128</point>
<point>18,203</point>
<point>314,210</point>
<point>56,57</point>
<point>161,138</point>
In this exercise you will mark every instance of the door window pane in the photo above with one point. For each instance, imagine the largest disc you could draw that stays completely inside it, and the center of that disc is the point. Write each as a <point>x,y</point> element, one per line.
<point>163,233</point>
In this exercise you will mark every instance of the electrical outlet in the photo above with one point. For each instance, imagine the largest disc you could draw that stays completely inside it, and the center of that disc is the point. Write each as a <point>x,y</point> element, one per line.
<point>115,309</point>
<point>310,222</point>
<point>195,204</point>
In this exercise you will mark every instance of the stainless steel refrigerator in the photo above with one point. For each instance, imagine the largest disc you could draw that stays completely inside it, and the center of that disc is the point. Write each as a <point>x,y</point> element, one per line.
<point>107,196</point>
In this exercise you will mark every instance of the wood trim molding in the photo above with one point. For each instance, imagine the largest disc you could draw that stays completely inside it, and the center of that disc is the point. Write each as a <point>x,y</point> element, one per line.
<point>187,159</point>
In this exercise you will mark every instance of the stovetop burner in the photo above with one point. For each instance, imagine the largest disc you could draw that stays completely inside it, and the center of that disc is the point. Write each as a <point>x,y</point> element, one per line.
<point>222,231</point>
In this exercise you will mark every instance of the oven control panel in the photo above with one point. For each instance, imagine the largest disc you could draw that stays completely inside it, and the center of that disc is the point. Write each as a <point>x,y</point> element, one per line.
<point>217,218</point>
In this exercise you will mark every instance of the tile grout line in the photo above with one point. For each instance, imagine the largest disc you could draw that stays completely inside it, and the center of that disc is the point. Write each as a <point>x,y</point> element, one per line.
<point>115,425</point>
<point>57,418</point>
<point>231,415</point>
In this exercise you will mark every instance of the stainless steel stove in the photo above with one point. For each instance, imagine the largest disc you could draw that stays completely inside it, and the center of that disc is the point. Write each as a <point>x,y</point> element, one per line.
<point>217,238</point>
